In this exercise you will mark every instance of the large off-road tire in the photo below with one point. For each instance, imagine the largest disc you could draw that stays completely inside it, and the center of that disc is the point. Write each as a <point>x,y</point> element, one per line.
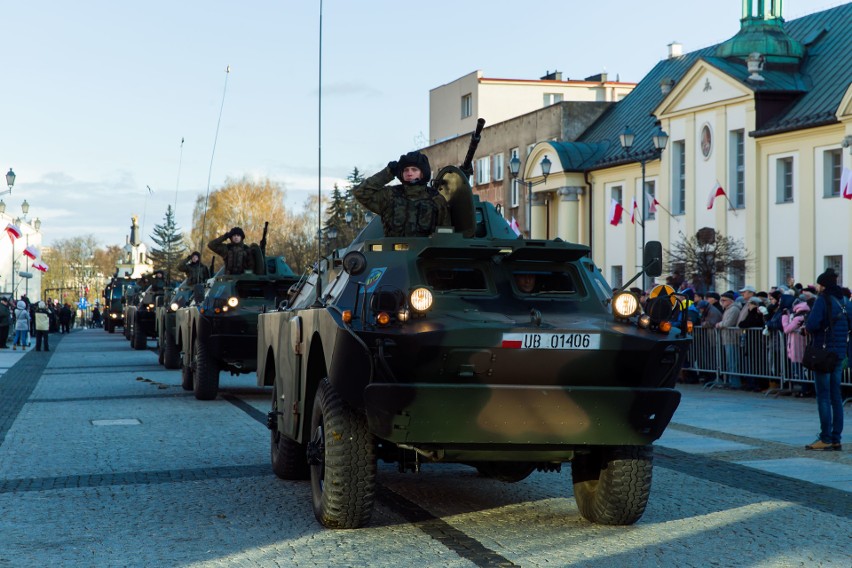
<point>171,354</point>
<point>342,458</point>
<point>508,472</point>
<point>138,340</point>
<point>126,329</point>
<point>107,325</point>
<point>612,484</point>
<point>160,358</point>
<point>205,373</point>
<point>186,377</point>
<point>289,458</point>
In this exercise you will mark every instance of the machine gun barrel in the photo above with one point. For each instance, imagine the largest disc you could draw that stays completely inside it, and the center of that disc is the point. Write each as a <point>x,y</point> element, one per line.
<point>467,165</point>
<point>263,240</point>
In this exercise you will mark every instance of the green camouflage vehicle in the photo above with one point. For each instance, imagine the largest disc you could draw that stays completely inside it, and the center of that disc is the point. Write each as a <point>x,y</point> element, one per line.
<point>167,345</point>
<point>132,296</point>
<point>219,331</point>
<point>141,317</point>
<point>469,346</point>
<point>114,293</point>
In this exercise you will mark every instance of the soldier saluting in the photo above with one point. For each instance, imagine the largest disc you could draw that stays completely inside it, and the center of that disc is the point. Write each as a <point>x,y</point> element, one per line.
<point>413,209</point>
<point>196,272</point>
<point>236,254</point>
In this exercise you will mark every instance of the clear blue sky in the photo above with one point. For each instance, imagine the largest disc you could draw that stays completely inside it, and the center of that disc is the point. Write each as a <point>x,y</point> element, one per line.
<point>97,94</point>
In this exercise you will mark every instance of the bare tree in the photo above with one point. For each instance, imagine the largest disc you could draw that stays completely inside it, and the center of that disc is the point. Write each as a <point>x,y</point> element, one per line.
<point>707,256</point>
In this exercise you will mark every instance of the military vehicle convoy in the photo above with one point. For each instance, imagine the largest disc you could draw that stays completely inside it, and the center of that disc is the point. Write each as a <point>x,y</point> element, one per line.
<point>470,346</point>
<point>140,315</point>
<point>114,292</point>
<point>219,331</point>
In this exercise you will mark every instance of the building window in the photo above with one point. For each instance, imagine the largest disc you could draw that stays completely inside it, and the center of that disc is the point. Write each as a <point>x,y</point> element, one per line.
<point>836,262</point>
<point>650,195</point>
<point>832,166</point>
<point>466,105</point>
<point>514,198</point>
<point>736,176</point>
<point>530,148</point>
<point>679,177</point>
<point>737,274</point>
<point>784,180</point>
<point>617,193</point>
<point>483,170</point>
<point>552,98</point>
<point>617,277</point>
<point>499,166</point>
<point>786,269</point>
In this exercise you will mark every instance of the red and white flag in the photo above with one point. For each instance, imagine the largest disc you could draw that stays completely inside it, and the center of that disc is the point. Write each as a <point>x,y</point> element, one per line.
<point>652,203</point>
<point>846,183</point>
<point>615,211</point>
<point>714,193</point>
<point>514,225</point>
<point>13,231</point>
<point>633,213</point>
<point>40,265</point>
<point>31,252</point>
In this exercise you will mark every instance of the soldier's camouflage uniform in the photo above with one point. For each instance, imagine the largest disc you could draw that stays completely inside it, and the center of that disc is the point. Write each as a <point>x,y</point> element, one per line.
<point>406,210</point>
<point>197,273</point>
<point>237,256</point>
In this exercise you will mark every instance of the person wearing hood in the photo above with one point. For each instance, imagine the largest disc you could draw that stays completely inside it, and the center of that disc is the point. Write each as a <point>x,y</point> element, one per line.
<point>196,272</point>
<point>42,326</point>
<point>412,209</point>
<point>793,326</point>
<point>829,323</point>
<point>236,254</point>
<point>22,325</point>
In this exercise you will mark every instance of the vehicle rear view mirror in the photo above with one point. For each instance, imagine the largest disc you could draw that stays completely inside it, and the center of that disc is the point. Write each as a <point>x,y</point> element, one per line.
<point>652,260</point>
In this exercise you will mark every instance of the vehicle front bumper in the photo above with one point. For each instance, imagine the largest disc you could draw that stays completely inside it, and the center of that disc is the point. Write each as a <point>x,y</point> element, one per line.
<point>517,416</point>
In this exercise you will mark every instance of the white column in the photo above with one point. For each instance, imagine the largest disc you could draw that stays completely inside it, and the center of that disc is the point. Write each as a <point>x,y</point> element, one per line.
<point>539,216</point>
<point>568,222</point>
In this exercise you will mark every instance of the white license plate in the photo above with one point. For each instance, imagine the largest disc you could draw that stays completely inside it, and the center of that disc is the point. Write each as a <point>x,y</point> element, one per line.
<point>562,341</point>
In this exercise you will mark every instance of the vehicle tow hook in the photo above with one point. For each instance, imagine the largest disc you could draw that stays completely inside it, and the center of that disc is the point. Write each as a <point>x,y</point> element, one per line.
<point>271,419</point>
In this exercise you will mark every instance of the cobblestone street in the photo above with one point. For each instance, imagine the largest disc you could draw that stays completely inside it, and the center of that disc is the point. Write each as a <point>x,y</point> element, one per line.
<point>106,461</point>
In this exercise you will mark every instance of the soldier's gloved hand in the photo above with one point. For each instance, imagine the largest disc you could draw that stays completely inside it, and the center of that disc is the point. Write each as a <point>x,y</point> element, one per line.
<point>392,166</point>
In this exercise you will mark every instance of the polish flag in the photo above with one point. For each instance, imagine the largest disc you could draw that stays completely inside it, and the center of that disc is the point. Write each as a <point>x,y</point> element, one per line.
<point>31,252</point>
<point>514,226</point>
<point>846,183</point>
<point>615,211</point>
<point>633,213</point>
<point>714,193</point>
<point>13,231</point>
<point>40,265</point>
<point>652,203</point>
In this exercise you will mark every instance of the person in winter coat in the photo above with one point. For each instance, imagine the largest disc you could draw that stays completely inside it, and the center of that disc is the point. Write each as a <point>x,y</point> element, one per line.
<point>236,253</point>
<point>793,325</point>
<point>42,326</point>
<point>196,272</point>
<point>730,337</point>
<point>5,320</point>
<point>829,323</point>
<point>22,326</point>
<point>65,319</point>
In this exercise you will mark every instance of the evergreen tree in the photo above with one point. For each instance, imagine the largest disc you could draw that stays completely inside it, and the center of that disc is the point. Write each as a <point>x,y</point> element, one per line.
<point>170,250</point>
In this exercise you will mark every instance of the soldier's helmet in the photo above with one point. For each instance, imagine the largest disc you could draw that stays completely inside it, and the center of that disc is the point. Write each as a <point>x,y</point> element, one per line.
<point>417,160</point>
<point>238,231</point>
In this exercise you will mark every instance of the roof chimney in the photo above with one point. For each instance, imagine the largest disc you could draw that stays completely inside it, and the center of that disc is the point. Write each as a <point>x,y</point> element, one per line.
<point>555,76</point>
<point>599,78</point>
<point>675,50</point>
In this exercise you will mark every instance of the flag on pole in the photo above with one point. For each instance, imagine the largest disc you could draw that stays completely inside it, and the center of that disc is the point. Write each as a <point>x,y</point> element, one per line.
<point>633,213</point>
<point>13,231</point>
<point>714,193</point>
<point>652,203</point>
<point>615,211</point>
<point>846,183</point>
<point>31,252</point>
<point>514,225</point>
<point>40,265</point>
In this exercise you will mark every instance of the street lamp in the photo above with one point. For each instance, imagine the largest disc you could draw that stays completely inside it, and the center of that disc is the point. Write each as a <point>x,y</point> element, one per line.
<point>348,217</point>
<point>515,167</point>
<point>10,181</point>
<point>659,139</point>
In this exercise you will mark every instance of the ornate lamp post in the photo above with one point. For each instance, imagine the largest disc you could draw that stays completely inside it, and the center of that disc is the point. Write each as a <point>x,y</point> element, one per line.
<point>515,167</point>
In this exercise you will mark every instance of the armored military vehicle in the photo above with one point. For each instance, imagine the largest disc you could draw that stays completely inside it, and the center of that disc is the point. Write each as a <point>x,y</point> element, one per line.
<point>166,317</point>
<point>470,346</point>
<point>132,295</point>
<point>113,294</point>
<point>141,317</point>
<point>219,331</point>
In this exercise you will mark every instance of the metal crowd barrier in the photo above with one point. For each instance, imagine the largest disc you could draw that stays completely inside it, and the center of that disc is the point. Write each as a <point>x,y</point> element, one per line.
<point>723,354</point>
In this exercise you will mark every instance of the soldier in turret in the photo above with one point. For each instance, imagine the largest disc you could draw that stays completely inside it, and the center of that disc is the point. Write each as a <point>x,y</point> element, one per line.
<point>413,209</point>
<point>197,273</point>
<point>236,254</point>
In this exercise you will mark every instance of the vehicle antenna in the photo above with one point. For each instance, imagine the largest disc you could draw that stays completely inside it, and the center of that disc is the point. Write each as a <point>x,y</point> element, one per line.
<point>202,236</point>
<point>318,302</point>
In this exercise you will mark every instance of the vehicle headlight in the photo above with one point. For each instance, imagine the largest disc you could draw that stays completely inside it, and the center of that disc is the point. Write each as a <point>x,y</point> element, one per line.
<point>174,306</point>
<point>113,316</point>
<point>420,299</point>
<point>151,306</point>
<point>233,301</point>
<point>625,305</point>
